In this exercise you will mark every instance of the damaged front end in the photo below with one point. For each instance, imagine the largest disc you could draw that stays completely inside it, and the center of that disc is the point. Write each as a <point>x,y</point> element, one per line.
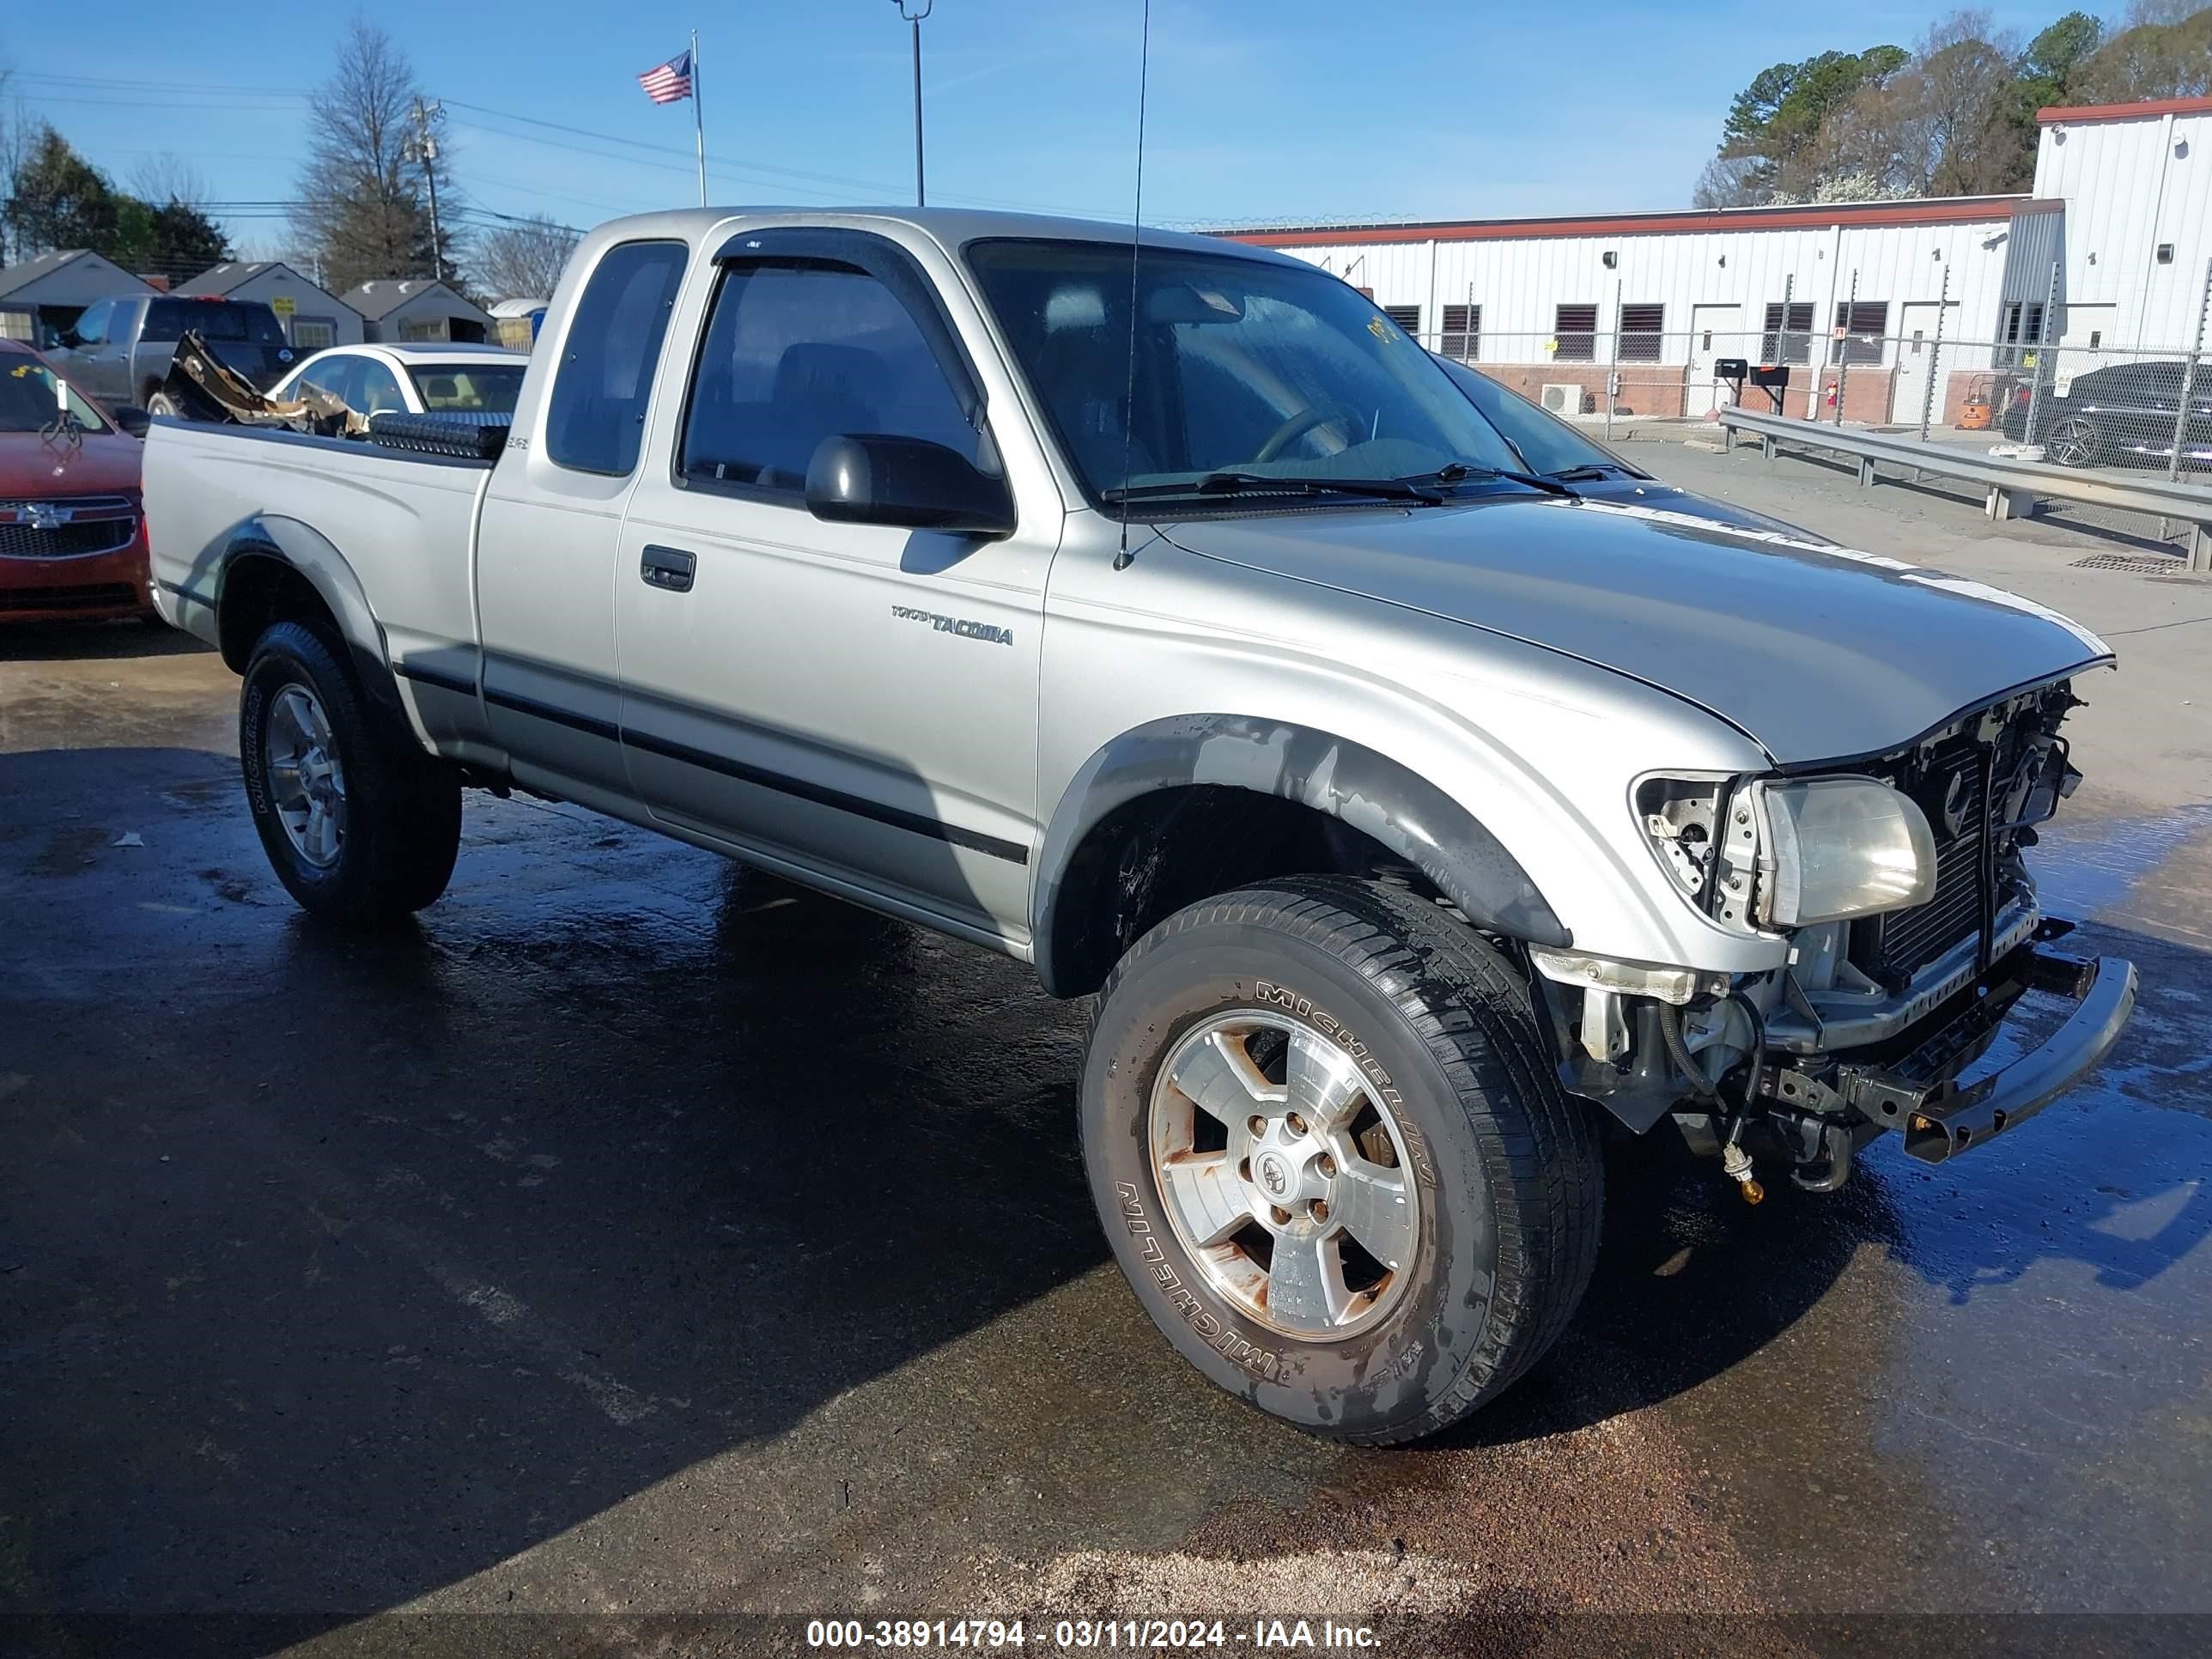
<point>1900,884</point>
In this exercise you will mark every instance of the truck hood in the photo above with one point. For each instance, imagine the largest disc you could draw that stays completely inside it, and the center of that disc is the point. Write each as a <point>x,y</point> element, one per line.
<point>1814,652</point>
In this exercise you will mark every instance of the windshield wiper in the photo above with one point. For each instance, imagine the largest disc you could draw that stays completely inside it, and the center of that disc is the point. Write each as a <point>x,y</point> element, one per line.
<point>1261,484</point>
<point>1460,472</point>
<point>1594,472</point>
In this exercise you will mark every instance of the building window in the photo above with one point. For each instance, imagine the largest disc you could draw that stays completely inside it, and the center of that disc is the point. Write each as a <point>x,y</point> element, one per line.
<point>1574,330</point>
<point>2020,328</point>
<point>314,333</point>
<point>1641,329</point>
<point>1406,316</point>
<point>1860,326</point>
<point>1788,336</point>
<point>1462,333</point>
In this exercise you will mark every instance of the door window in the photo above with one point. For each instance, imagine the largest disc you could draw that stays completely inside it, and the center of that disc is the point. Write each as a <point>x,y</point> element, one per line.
<point>596,420</point>
<point>339,376</point>
<point>798,352</point>
<point>92,325</point>
<point>378,390</point>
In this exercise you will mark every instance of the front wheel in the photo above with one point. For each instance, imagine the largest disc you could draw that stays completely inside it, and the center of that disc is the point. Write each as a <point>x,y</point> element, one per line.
<point>1333,1159</point>
<point>359,823</point>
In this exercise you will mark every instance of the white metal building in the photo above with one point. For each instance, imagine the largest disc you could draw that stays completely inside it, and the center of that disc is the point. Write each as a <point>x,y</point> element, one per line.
<point>2136,179</point>
<point>1645,303</point>
<point>312,316</point>
<point>409,311</point>
<point>41,296</point>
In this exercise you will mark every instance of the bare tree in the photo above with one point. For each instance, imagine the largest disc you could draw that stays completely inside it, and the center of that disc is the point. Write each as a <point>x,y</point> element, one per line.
<point>1939,126</point>
<point>17,134</point>
<point>362,209</point>
<point>169,177</point>
<point>2165,52</point>
<point>1729,181</point>
<point>2161,12</point>
<point>524,260</point>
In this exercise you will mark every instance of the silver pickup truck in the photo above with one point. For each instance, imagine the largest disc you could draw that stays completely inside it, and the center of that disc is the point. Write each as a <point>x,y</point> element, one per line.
<point>1157,612</point>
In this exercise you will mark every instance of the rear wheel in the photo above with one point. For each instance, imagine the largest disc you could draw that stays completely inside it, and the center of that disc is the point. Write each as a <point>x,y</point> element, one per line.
<point>161,403</point>
<point>1333,1159</point>
<point>359,823</point>
<point>2074,442</point>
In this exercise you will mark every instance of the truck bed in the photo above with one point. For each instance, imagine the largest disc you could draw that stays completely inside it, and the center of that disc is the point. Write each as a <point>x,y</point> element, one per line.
<point>395,525</point>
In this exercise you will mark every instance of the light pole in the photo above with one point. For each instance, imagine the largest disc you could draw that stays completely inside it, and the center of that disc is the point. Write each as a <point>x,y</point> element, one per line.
<point>914,11</point>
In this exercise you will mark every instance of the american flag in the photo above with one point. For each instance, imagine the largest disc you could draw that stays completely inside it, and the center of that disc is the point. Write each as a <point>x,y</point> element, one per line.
<point>670,83</point>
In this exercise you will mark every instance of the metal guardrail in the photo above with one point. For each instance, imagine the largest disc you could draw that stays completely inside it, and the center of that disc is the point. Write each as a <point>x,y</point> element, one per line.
<point>2013,485</point>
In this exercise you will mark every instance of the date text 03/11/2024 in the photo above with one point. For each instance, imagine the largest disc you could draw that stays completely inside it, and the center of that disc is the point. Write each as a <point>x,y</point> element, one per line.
<point>1072,1635</point>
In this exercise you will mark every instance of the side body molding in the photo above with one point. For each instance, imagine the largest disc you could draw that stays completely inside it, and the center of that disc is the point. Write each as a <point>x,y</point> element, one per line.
<point>1367,791</point>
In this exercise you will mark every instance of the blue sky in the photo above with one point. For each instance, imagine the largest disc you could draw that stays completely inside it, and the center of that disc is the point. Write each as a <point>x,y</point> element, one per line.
<point>1286,110</point>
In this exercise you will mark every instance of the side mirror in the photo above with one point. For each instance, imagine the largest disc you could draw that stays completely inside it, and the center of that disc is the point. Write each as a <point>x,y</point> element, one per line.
<point>875,478</point>
<point>130,418</point>
<point>69,339</point>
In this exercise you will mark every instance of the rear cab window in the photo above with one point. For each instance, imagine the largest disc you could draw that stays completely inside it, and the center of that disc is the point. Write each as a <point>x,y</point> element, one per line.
<point>239,322</point>
<point>595,422</point>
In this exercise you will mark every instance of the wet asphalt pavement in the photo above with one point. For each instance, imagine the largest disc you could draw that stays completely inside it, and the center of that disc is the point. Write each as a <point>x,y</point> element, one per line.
<point>636,1240</point>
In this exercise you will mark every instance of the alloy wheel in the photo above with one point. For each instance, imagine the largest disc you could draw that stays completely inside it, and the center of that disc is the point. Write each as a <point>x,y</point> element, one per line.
<point>307,782</point>
<point>2073,442</point>
<point>1285,1175</point>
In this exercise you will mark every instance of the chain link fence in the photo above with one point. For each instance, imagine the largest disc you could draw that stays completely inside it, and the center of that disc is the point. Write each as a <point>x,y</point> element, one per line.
<point>2081,404</point>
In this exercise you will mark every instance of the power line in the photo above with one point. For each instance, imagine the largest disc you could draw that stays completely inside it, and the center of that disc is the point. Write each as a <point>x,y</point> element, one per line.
<point>213,96</point>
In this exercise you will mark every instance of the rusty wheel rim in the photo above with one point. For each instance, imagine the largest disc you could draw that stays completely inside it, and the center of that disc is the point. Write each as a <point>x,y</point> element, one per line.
<point>1285,1176</point>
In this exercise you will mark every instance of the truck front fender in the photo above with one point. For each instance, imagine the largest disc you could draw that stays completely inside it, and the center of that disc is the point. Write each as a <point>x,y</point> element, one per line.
<point>1367,791</point>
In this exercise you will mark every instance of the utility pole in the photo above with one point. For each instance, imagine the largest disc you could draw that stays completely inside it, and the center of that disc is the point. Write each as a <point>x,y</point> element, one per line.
<point>423,148</point>
<point>914,11</point>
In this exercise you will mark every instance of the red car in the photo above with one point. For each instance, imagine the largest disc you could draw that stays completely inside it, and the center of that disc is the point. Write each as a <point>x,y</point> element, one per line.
<point>72,537</point>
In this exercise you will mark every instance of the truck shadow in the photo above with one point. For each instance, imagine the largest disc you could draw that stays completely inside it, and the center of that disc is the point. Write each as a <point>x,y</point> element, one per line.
<point>340,1268</point>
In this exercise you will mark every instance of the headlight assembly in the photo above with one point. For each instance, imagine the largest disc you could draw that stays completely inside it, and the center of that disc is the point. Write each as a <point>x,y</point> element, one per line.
<point>1836,847</point>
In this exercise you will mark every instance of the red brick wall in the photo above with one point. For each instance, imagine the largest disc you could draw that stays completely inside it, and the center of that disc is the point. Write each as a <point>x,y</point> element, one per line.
<point>1648,389</point>
<point>1867,391</point>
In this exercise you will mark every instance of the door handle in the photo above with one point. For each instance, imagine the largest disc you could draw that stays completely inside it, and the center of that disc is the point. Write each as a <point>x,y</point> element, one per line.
<point>670,568</point>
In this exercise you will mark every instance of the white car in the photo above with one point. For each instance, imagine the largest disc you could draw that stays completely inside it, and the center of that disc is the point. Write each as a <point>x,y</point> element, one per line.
<point>421,379</point>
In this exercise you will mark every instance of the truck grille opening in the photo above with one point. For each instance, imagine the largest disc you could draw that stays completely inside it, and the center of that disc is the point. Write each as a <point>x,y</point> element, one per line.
<point>1906,941</point>
<point>1979,784</point>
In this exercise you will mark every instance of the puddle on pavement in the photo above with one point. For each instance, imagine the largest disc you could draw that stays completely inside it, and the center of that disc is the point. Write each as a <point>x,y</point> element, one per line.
<point>2085,866</point>
<point>2010,1402</point>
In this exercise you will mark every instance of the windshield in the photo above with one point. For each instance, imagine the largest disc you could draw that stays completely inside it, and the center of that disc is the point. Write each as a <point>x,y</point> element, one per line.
<point>469,389</point>
<point>31,396</point>
<point>239,321</point>
<point>1545,443</point>
<point>1245,370</point>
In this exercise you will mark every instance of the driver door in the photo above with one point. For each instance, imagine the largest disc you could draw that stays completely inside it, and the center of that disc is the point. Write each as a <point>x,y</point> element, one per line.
<point>855,699</point>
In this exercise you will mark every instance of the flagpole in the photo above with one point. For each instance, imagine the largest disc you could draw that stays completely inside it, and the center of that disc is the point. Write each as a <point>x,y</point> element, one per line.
<point>698,118</point>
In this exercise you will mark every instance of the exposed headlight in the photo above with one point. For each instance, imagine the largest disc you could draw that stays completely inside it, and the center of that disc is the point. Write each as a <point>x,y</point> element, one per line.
<point>1841,847</point>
